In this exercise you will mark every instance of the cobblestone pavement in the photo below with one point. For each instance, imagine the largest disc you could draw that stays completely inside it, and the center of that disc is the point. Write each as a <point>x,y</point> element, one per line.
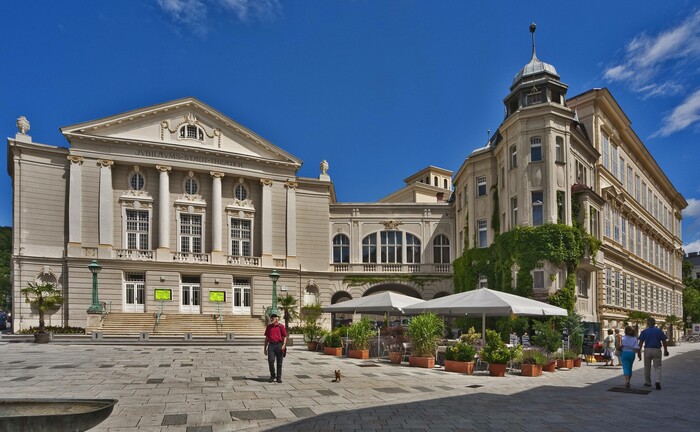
<point>225,388</point>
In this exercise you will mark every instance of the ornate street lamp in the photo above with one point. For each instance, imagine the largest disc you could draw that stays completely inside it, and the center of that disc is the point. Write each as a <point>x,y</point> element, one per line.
<point>274,277</point>
<point>95,308</point>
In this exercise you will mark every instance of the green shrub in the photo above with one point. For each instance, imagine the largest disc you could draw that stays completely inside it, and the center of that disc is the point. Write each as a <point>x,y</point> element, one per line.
<point>425,332</point>
<point>535,357</point>
<point>333,340</point>
<point>495,351</point>
<point>545,336</point>
<point>361,333</point>
<point>460,352</point>
<point>471,337</point>
<point>54,330</point>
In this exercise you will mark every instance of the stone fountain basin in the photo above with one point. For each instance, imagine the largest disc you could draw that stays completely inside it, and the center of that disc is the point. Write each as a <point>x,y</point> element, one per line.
<point>55,415</point>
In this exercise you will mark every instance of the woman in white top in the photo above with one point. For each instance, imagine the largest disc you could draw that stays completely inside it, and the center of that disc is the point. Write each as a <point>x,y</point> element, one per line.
<point>630,347</point>
<point>609,345</point>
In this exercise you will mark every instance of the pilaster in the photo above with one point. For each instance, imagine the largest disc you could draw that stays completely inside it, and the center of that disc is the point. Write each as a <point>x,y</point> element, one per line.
<point>217,256</point>
<point>106,227</point>
<point>163,251</point>
<point>291,223</point>
<point>267,260</point>
<point>75,206</point>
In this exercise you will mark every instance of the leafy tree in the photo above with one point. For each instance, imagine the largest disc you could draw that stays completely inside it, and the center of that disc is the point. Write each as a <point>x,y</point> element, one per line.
<point>288,305</point>
<point>44,297</point>
<point>691,303</point>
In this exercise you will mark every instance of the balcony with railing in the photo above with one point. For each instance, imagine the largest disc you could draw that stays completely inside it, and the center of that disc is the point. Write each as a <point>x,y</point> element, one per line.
<point>243,260</point>
<point>134,254</point>
<point>190,257</point>
<point>390,268</point>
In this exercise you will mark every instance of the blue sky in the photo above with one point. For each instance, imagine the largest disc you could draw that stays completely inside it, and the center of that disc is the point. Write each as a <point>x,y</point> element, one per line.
<point>380,89</point>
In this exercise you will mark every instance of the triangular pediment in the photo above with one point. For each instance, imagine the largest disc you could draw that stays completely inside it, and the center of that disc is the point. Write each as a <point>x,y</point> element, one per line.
<point>184,123</point>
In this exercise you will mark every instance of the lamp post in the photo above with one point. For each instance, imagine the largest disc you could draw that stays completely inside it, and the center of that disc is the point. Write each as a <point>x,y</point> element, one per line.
<point>274,277</point>
<point>95,308</point>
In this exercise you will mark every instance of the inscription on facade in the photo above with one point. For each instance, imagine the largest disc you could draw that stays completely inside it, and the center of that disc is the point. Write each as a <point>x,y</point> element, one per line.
<point>188,158</point>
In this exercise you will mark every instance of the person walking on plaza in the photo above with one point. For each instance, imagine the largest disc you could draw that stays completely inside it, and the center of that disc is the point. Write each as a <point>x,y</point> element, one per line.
<point>618,346</point>
<point>629,347</point>
<point>609,346</point>
<point>652,339</point>
<point>275,344</point>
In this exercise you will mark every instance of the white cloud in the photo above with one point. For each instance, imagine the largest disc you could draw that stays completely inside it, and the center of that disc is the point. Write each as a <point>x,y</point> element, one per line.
<point>193,13</point>
<point>693,209</point>
<point>653,58</point>
<point>692,247</point>
<point>684,115</point>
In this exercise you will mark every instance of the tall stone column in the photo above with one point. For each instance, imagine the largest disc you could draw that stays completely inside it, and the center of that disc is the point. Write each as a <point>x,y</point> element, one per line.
<point>217,255</point>
<point>106,228</point>
<point>75,206</point>
<point>163,253</point>
<point>291,223</point>
<point>267,222</point>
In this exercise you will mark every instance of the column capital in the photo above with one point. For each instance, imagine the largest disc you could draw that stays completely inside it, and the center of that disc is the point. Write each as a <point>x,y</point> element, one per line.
<point>291,184</point>
<point>105,163</point>
<point>216,174</point>
<point>163,168</point>
<point>266,182</point>
<point>75,159</point>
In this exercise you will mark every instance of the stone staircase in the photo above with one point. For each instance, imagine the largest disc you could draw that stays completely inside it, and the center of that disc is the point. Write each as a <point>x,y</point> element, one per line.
<point>121,323</point>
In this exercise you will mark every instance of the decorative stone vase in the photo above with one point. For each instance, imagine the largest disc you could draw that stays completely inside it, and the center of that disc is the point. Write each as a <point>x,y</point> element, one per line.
<point>550,367</point>
<point>395,357</point>
<point>358,354</point>
<point>459,366</point>
<point>531,370</point>
<point>424,362</point>
<point>333,351</point>
<point>497,369</point>
<point>312,346</point>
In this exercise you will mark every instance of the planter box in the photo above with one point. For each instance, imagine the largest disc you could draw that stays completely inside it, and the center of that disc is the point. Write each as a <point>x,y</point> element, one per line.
<point>549,367</point>
<point>395,357</point>
<point>359,354</point>
<point>565,364</point>
<point>459,366</point>
<point>424,362</point>
<point>497,369</point>
<point>531,370</point>
<point>333,351</point>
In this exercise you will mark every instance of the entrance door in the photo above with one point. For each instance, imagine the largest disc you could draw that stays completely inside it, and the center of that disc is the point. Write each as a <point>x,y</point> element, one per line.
<point>190,298</point>
<point>134,288</point>
<point>241,297</point>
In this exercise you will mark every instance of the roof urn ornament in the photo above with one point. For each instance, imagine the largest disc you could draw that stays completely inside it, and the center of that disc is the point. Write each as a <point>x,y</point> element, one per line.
<point>22,125</point>
<point>324,167</point>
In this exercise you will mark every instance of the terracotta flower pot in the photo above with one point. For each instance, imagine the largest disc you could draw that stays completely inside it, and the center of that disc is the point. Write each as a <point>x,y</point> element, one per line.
<point>312,346</point>
<point>531,370</point>
<point>333,351</point>
<point>566,363</point>
<point>459,366</point>
<point>359,354</point>
<point>577,361</point>
<point>497,369</point>
<point>395,357</point>
<point>424,362</point>
<point>550,367</point>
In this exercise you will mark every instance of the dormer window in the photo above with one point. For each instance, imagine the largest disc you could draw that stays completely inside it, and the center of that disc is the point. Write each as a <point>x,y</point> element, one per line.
<point>192,132</point>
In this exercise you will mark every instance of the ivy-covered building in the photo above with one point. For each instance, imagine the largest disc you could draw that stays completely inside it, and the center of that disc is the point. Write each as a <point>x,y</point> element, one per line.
<point>565,203</point>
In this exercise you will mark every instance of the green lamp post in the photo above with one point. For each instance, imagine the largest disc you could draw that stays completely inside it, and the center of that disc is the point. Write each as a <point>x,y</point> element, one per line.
<point>95,308</point>
<point>274,277</point>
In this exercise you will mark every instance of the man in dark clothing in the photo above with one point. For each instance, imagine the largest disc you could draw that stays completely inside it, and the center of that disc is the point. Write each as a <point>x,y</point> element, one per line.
<point>651,339</point>
<point>275,344</point>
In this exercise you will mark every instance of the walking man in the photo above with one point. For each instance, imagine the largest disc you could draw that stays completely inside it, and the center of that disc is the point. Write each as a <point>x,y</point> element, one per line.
<point>651,339</point>
<point>275,344</point>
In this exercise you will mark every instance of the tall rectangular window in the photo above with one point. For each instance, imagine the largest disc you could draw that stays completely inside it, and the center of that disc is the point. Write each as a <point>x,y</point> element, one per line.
<point>391,247</point>
<point>644,195</point>
<point>607,220</point>
<point>537,208</point>
<point>369,249</point>
<point>629,180</point>
<point>581,173</point>
<point>240,237</point>
<point>616,225</point>
<point>631,238</point>
<point>636,187</point>
<point>606,152</point>
<point>622,171</point>
<point>595,223</point>
<point>559,147</point>
<point>538,279</point>
<point>190,233</point>
<point>481,186</point>
<point>613,160</point>
<point>608,285</point>
<point>536,149</point>
<point>513,156</point>
<point>513,212</point>
<point>137,229</point>
<point>639,242</point>
<point>623,238</point>
<point>483,235</point>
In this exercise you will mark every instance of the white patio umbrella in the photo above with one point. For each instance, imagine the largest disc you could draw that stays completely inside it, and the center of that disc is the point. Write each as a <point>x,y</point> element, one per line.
<point>485,302</point>
<point>387,302</point>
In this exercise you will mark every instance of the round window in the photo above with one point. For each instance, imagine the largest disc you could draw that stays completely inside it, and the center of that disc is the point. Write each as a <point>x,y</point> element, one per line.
<point>241,192</point>
<point>191,186</point>
<point>136,181</point>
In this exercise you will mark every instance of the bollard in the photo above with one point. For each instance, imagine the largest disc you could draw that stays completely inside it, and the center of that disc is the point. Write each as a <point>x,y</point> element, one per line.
<point>230,337</point>
<point>143,336</point>
<point>97,335</point>
<point>188,337</point>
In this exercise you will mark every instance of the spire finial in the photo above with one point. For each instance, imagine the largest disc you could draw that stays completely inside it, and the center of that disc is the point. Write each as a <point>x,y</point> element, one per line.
<point>533,27</point>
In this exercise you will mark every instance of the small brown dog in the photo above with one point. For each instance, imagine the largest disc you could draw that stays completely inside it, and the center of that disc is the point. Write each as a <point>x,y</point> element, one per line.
<point>337,376</point>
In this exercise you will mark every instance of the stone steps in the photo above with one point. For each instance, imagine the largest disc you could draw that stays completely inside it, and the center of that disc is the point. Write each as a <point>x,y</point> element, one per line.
<point>121,323</point>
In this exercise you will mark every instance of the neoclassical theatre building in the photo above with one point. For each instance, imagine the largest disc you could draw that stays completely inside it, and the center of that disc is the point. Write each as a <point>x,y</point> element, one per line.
<point>177,198</point>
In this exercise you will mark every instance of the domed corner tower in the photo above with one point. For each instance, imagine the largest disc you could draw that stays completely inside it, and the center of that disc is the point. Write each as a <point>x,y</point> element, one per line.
<point>537,82</point>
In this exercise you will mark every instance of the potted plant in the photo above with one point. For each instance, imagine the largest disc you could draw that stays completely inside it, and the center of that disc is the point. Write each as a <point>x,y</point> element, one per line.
<point>548,339</point>
<point>395,339</point>
<point>425,331</point>
<point>532,363</point>
<point>310,329</point>
<point>287,304</point>
<point>460,358</point>
<point>333,344</point>
<point>495,353</point>
<point>43,297</point>
<point>361,333</point>
<point>471,337</point>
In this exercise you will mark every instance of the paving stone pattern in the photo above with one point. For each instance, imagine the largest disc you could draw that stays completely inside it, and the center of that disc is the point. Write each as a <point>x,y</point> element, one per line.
<point>225,389</point>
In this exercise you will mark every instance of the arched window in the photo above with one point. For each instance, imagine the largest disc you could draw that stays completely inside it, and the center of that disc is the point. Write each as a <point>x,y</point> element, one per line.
<point>192,132</point>
<point>341,249</point>
<point>240,192</point>
<point>412,249</point>
<point>191,186</point>
<point>136,181</point>
<point>435,181</point>
<point>369,248</point>
<point>444,184</point>
<point>441,250</point>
